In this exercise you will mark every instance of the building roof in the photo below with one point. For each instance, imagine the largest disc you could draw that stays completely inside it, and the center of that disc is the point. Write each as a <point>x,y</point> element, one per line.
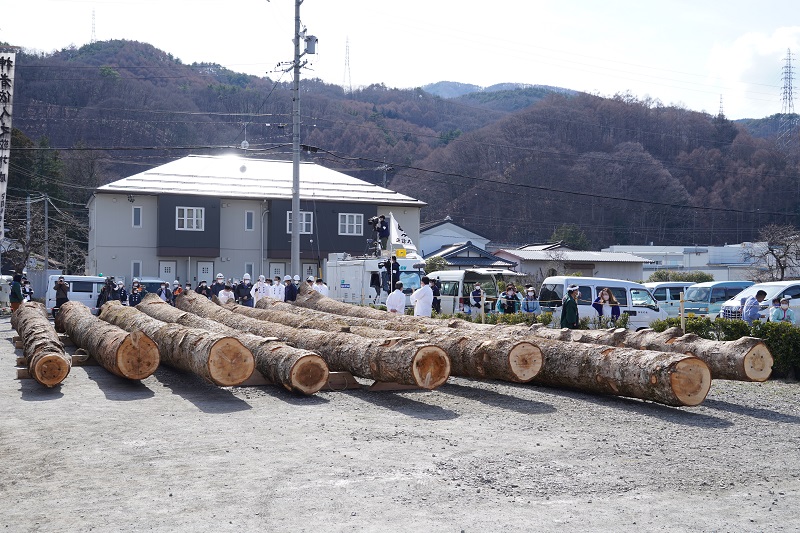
<point>478,256</point>
<point>575,256</point>
<point>425,226</point>
<point>232,176</point>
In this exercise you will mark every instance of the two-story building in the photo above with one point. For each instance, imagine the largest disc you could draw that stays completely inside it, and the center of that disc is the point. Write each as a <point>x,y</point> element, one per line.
<point>201,215</point>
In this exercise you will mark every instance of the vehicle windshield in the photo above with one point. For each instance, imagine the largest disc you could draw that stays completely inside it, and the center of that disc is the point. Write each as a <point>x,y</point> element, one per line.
<point>642,298</point>
<point>697,294</point>
<point>411,281</point>
<point>487,285</point>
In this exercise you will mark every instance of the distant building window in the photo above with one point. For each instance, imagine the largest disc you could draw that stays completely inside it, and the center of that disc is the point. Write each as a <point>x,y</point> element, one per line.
<point>306,222</point>
<point>136,269</point>
<point>189,218</point>
<point>249,220</point>
<point>249,268</point>
<point>351,224</point>
<point>137,216</point>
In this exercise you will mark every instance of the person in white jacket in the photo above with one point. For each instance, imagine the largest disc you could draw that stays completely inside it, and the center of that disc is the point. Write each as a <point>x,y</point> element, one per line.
<point>396,302</point>
<point>277,289</point>
<point>422,298</point>
<point>320,287</point>
<point>261,289</point>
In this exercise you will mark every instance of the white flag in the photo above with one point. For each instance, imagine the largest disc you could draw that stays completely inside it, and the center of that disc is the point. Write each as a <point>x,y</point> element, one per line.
<point>398,237</point>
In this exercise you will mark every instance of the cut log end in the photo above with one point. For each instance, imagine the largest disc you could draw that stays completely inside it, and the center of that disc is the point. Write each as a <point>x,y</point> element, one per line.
<point>229,362</point>
<point>525,360</point>
<point>50,370</point>
<point>758,363</point>
<point>137,356</point>
<point>309,374</point>
<point>430,367</point>
<point>690,380</point>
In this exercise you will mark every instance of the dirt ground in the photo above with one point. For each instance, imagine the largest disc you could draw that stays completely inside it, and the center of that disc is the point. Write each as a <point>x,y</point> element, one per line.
<point>174,453</point>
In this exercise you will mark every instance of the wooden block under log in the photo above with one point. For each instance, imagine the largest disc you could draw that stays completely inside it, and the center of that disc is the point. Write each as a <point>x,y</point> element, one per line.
<point>23,373</point>
<point>341,381</point>
<point>381,386</point>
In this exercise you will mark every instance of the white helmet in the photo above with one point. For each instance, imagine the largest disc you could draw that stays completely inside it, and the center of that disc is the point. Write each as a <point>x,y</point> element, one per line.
<point>246,276</point>
<point>296,277</point>
<point>176,282</point>
<point>287,277</point>
<point>310,278</point>
<point>262,279</point>
<point>220,276</point>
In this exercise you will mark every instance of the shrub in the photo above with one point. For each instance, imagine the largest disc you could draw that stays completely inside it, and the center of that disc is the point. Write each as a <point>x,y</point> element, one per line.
<point>546,318</point>
<point>783,340</point>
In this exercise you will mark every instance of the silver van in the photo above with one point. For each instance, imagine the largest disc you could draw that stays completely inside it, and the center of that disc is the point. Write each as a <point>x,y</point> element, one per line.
<point>706,299</point>
<point>668,294</point>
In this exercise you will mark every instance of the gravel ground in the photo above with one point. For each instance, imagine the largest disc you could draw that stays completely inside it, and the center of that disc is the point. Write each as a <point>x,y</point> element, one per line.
<point>174,453</point>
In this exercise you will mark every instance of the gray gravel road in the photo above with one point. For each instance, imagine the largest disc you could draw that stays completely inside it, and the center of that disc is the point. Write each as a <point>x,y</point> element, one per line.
<point>173,453</point>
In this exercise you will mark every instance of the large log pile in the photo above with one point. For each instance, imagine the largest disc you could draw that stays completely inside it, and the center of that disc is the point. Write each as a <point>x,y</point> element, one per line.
<point>214,356</point>
<point>44,353</point>
<point>297,370</point>
<point>397,360</point>
<point>745,359</point>
<point>472,354</point>
<point>131,355</point>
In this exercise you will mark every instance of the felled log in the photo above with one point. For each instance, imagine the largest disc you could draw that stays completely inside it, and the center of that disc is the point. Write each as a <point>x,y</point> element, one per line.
<point>397,360</point>
<point>297,370</point>
<point>472,354</point>
<point>214,356</point>
<point>668,378</point>
<point>131,355</point>
<point>745,359</point>
<point>44,353</point>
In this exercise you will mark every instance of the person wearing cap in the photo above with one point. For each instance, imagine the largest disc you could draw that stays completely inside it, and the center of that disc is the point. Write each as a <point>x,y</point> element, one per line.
<point>289,289</point>
<point>137,293</point>
<point>569,309</point>
<point>218,285</point>
<point>278,289</point>
<point>203,289</point>
<point>383,231</point>
<point>476,296</point>
<point>296,279</point>
<point>165,293</point>
<point>422,298</point>
<point>243,291</point>
<point>122,294</point>
<point>530,303</point>
<point>782,313</point>
<point>320,287</point>
<point>261,289</point>
<point>508,303</point>
<point>396,302</point>
<point>62,294</point>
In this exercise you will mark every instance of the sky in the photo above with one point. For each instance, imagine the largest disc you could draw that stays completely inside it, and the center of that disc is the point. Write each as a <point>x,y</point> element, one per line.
<point>682,52</point>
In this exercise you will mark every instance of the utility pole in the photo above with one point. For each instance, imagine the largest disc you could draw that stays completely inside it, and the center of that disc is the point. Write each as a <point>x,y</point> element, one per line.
<point>46,237</point>
<point>295,265</point>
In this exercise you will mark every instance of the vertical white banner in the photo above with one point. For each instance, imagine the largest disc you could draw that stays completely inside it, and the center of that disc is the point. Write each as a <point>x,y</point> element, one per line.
<point>7,66</point>
<point>398,238</point>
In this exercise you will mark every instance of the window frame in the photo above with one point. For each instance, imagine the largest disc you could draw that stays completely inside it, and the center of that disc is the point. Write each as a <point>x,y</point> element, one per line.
<point>134,209</point>
<point>309,222</point>
<point>358,224</point>
<point>134,264</point>
<point>252,215</point>
<point>195,218</point>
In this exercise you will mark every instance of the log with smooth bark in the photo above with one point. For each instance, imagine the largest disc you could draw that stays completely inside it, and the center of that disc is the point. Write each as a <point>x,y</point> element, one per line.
<point>297,370</point>
<point>668,378</point>
<point>472,354</point>
<point>131,355</point>
<point>214,356</point>
<point>745,359</point>
<point>395,360</point>
<point>44,354</point>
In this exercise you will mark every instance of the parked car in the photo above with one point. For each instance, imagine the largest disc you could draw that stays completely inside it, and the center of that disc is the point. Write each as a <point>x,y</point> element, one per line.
<point>457,285</point>
<point>633,298</point>
<point>668,294</point>
<point>706,299</point>
<point>732,309</point>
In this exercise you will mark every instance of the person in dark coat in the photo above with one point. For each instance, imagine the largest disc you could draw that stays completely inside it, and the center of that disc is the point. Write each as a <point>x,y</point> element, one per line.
<point>383,232</point>
<point>15,299</point>
<point>62,294</point>
<point>569,309</point>
<point>605,301</point>
<point>242,292</point>
<point>290,292</point>
<point>137,293</point>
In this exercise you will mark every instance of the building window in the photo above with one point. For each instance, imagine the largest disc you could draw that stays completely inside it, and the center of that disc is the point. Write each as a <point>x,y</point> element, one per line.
<point>136,269</point>
<point>351,224</point>
<point>249,220</point>
<point>306,220</point>
<point>189,218</point>
<point>249,267</point>
<point>137,216</point>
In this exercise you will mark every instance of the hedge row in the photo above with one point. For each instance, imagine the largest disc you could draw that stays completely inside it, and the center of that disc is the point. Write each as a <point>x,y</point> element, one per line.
<point>782,339</point>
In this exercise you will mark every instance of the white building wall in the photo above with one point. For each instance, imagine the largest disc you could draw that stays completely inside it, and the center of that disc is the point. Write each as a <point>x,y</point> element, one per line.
<point>446,234</point>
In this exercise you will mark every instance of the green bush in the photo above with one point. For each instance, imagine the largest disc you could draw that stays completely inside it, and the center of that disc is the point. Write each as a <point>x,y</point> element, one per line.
<point>783,340</point>
<point>546,318</point>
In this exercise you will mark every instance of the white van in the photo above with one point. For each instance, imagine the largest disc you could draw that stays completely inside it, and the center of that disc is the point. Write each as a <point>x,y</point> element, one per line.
<point>668,294</point>
<point>732,309</point>
<point>457,285</point>
<point>633,298</point>
<point>83,289</point>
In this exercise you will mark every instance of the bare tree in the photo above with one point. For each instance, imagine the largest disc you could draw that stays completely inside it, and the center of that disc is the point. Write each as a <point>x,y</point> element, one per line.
<point>777,254</point>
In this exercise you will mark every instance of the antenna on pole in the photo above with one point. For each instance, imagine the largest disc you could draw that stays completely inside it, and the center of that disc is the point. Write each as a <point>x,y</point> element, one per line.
<point>347,85</point>
<point>788,117</point>
<point>94,37</point>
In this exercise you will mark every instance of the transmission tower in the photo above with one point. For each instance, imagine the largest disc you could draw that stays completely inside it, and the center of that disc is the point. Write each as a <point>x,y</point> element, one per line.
<point>788,118</point>
<point>721,113</point>
<point>94,37</point>
<point>347,85</point>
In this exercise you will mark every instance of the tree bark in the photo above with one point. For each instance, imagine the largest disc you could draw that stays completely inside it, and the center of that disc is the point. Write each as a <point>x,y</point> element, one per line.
<point>297,370</point>
<point>44,353</point>
<point>668,378</point>
<point>472,354</point>
<point>216,357</point>
<point>745,359</point>
<point>131,355</point>
<point>397,360</point>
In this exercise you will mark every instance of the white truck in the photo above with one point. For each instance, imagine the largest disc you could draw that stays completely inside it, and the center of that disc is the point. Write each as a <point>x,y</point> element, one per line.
<point>364,280</point>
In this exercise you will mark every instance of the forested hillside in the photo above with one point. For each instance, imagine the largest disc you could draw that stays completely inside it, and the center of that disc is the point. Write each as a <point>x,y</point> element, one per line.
<point>514,165</point>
